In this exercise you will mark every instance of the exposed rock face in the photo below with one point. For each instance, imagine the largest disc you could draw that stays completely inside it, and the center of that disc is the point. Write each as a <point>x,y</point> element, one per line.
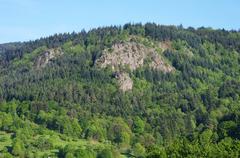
<point>159,64</point>
<point>46,56</point>
<point>123,54</point>
<point>124,81</point>
<point>132,55</point>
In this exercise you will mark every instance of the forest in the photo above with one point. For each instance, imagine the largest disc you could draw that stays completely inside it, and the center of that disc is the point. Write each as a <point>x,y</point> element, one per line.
<point>66,106</point>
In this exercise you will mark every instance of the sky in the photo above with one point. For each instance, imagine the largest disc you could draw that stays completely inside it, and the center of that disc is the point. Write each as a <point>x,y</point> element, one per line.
<point>23,20</point>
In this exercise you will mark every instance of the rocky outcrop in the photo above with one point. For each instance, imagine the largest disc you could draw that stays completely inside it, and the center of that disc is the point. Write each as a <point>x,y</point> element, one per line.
<point>159,64</point>
<point>131,55</point>
<point>123,54</point>
<point>124,81</point>
<point>43,59</point>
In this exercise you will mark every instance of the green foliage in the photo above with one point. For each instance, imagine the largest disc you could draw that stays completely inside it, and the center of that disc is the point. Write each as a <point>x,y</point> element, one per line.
<point>106,153</point>
<point>18,148</point>
<point>138,150</point>
<point>29,58</point>
<point>138,125</point>
<point>85,153</point>
<point>141,85</point>
<point>68,47</point>
<point>96,129</point>
<point>156,152</point>
<point>72,108</point>
<point>119,132</point>
<point>43,143</point>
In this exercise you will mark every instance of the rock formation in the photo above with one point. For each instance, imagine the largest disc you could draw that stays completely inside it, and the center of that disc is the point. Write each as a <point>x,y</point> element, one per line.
<point>132,55</point>
<point>46,56</point>
<point>124,81</point>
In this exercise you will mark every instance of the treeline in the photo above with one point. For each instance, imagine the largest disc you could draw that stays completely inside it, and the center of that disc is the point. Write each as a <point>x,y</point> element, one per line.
<point>71,108</point>
<point>194,37</point>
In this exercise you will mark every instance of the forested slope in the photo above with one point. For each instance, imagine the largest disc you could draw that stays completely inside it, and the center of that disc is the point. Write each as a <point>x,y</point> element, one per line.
<point>132,91</point>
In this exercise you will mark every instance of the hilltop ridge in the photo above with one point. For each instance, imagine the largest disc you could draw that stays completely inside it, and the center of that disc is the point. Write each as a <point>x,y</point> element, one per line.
<point>122,91</point>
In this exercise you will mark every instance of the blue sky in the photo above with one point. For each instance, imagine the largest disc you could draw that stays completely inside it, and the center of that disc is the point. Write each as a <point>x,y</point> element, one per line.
<point>22,20</point>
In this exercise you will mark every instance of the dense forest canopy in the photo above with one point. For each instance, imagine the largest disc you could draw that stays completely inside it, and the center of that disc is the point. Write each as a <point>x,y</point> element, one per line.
<point>55,101</point>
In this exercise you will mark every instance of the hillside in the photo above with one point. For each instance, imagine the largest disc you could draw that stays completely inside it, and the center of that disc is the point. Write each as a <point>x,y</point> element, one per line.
<point>129,91</point>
